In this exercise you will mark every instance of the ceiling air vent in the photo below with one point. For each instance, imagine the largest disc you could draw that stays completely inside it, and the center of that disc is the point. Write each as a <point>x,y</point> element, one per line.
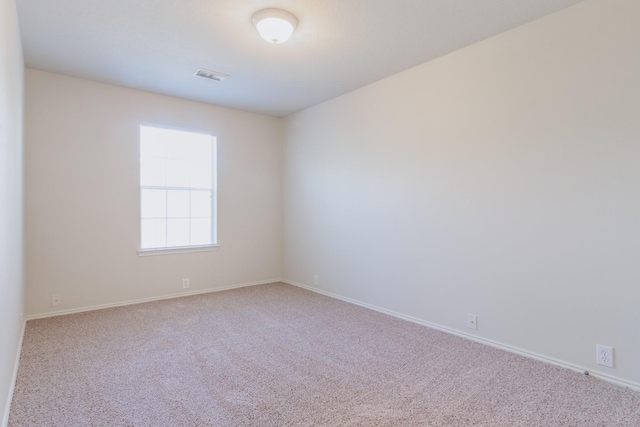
<point>211,75</point>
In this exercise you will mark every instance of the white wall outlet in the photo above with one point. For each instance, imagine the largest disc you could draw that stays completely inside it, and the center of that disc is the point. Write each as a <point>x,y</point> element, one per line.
<point>56,300</point>
<point>604,355</point>
<point>316,280</point>
<point>185,283</point>
<point>472,321</point>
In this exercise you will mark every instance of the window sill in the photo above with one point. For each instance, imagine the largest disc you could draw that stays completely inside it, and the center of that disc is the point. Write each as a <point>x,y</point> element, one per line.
<point>177,250</point>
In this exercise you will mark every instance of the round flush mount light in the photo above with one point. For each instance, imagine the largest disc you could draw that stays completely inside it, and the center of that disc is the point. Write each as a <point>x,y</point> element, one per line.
<point>275,25</point>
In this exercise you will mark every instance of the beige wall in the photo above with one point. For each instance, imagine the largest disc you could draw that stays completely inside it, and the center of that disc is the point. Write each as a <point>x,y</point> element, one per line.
<point>11,236</point>
<point>501,180</point>
<point>82,200</point>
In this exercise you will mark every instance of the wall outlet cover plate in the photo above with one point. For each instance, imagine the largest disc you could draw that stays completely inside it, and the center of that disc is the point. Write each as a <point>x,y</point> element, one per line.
<point>472,321</point>
<point>604,355</point>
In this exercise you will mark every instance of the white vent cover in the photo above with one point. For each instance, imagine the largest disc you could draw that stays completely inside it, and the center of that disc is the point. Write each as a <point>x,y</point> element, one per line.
<point>211,75</point>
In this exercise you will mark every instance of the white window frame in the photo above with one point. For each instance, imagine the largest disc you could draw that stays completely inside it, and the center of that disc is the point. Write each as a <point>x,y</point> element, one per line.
<point>214,199</point>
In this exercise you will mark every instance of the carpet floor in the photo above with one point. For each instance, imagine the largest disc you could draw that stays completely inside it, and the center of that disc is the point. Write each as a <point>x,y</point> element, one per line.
<point>277,355</point>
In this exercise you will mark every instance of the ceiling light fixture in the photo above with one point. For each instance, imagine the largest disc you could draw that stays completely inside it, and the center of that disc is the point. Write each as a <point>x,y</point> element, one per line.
<point>274,25</point>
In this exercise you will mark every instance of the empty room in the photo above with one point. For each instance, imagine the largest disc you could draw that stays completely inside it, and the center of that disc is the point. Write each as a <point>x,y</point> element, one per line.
<point>320,213</point>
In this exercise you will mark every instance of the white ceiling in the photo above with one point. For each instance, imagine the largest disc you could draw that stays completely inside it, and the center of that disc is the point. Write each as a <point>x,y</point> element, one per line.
<point>339,45</point>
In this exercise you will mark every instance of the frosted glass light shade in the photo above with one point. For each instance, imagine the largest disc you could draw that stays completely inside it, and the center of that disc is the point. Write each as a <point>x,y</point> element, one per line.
<point>275,25</point>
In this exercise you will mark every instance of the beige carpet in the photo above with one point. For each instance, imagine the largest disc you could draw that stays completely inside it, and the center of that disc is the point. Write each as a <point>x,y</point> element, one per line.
<point>276,355</point>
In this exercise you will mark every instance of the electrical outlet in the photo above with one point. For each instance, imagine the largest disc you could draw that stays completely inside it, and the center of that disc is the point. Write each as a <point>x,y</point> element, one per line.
<point>604,355</point>
<point>316,280</point>
<point>472,321</point>
<point>185,283</point>
<point>56,300</point>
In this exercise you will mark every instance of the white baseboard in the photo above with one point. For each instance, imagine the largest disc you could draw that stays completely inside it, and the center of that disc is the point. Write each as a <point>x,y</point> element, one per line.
<point>143,300</point>
<point>506,347</point>
<point>16,365</point>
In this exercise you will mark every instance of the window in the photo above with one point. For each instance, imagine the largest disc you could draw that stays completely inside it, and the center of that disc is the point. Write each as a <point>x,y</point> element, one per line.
<point>177,188</point>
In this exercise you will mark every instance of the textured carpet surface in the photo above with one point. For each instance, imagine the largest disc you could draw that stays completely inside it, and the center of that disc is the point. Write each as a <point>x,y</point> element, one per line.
<point>276,355</point>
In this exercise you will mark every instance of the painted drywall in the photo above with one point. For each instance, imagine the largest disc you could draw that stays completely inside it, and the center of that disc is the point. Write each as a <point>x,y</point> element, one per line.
<point>500,180</point>
<point>11,191</point>
<point>82,195</point>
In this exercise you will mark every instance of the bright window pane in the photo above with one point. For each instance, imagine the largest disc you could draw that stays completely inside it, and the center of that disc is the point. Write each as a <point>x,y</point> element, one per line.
<point>201,204</point>
<point>153,171</point>
<point>198,148</point>
<point>152,142</point>
<point>153,203</point>
<point>178,232</point>
<point>177,204</point>
<point>154,233</point>
<point>191,146</point>
<point>177,173</point>
<point>200,177</point>
<point>178,150</point>
<point>200,231</point>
